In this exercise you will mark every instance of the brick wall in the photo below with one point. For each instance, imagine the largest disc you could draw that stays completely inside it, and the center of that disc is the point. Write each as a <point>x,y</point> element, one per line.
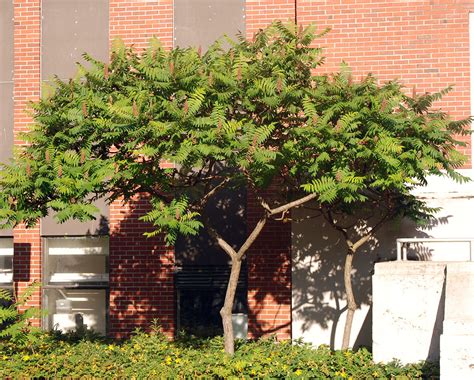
<point>27,242</point>
<point>269,259</point>
<point>260,13</point>
<point>141,269</point>
<point>141,273</point>
<point>423,43</point>
<point>136,21</point>
<point>269,276</point>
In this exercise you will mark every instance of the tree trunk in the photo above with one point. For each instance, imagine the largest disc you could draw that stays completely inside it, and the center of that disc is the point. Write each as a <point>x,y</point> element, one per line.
<point>351,303</point>
<point>226,311</point>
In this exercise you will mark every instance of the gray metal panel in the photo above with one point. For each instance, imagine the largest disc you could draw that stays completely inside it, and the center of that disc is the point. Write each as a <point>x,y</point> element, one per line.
<point>6,79</point>
<point>201,22</point>
<point>6,41</point>
<point>70,28</point>
<point>100,226</point>
<point>6,121</point>
<point>6,85</point>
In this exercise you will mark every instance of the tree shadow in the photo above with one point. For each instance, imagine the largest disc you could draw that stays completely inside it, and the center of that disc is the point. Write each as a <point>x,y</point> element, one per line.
<point>291,285</point>
<point>269,268</point>
<point>319,303</point>
<point>141,272</point>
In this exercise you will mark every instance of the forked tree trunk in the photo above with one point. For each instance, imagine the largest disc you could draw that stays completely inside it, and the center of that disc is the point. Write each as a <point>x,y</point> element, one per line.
<point>226,311</point>
<point>351,303</point>
<point>237,256</point>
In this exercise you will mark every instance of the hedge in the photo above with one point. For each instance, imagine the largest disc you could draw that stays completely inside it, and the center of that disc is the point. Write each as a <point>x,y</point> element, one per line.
<point>153,356</point>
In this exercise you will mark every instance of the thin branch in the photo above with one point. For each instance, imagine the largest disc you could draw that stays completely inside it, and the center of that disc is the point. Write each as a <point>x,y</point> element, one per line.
<point>214,190</point>
<point>282,217</point>
<point>298,220</point>
<point>253,235</point>
<point>220,240</point>
<point>371,233</point>
<point>293,204</point>
<point>343,231</point>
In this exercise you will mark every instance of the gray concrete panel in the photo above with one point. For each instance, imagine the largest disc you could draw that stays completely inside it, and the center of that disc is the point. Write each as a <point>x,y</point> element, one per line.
<point>201,22</point>
<point>6,40</point>
<point>99,226</point>
<point>6,85</point>
<point>6,121</point>
<point>70,28</point>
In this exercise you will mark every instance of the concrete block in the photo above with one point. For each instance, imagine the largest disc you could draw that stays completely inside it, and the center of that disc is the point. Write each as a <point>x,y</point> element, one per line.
<point>457,357</point>
<point>408,310</point>
<point>460,292</point>
<point>457,341</point>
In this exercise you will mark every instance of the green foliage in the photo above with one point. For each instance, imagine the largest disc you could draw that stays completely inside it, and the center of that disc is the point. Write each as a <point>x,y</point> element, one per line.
<point>252,114</point>
<point>15,325</point>
<point>375,145</point>
<point>152,356</point>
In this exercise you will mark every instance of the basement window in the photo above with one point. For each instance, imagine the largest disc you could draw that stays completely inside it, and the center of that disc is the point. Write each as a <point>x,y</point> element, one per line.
<point>200,293</point>
<point>76,278</point>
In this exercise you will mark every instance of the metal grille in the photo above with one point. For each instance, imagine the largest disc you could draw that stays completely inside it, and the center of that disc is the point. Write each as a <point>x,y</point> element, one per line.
<point>207,277</point>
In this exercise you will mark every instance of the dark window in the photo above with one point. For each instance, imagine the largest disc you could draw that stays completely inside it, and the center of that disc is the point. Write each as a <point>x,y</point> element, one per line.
<point>6,261</point>
<point>200,297</point>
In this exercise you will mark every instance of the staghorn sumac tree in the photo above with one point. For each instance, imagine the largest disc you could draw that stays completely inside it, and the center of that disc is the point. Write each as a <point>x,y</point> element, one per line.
<point>254,114</point>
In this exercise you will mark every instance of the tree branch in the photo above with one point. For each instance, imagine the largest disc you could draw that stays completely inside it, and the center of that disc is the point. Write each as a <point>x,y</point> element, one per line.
<point>253,236</point>
<point>220,240</point>
<point>293,204</point>
<point>214,190</point>
<point>342,230</point>
<point>371,233</point>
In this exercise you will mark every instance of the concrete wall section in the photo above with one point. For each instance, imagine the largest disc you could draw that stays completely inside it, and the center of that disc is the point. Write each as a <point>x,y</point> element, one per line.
<point>408,310</point>
<point>457,341</point>
<point>201,22</point>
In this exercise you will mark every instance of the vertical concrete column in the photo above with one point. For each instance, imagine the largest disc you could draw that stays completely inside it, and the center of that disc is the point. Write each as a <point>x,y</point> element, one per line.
<point>27,37</point>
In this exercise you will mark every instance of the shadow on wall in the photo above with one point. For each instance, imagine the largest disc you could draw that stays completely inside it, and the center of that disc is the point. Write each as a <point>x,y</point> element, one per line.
<point>270,282</point>
<point>318,297</point>
<point>269,262</point>
<point>141,272</point>
<point>203,268</point>
<point>22,264</point>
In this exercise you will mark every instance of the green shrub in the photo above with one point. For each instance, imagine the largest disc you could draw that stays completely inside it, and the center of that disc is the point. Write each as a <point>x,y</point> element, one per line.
<point>152,355</point>
<point>15,326</point>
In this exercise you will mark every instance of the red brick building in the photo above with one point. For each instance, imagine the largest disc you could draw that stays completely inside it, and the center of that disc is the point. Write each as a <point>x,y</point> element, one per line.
<point>106,275</point>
